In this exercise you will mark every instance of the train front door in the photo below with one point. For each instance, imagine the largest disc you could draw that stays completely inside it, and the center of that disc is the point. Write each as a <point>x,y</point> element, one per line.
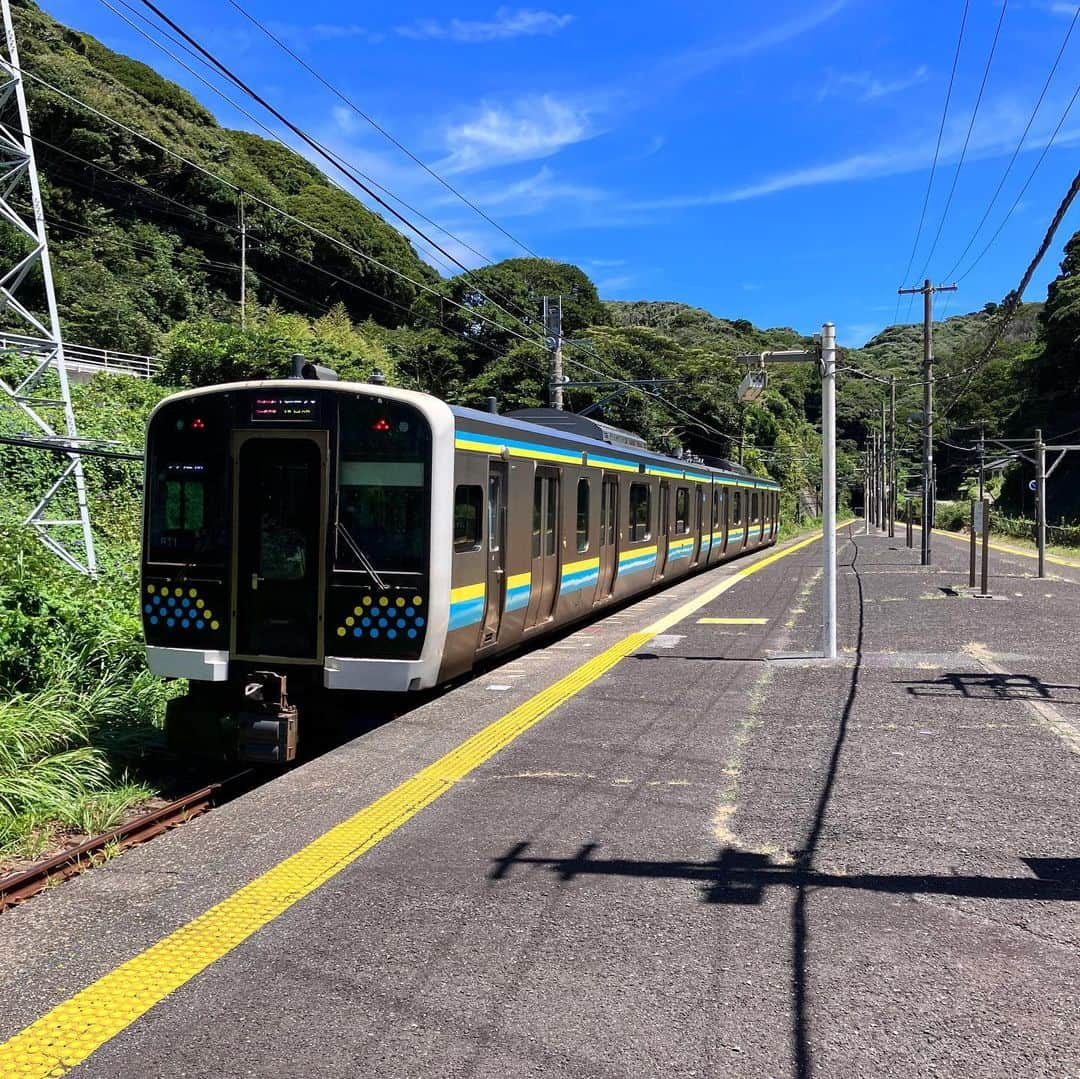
<point>495,592</point>
<point>609,536</point>
<point>279,514</point>
<point>544,583</point>
<point>662,528</point>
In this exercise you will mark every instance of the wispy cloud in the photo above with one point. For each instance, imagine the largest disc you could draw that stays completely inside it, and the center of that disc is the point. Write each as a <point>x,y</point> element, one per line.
<point>996,133</point>
<point>527,129</point>
<point>695,62</point>
<point>864,86</point>
<point>534,194</point>
<point>303,37</point>
<point>505,23</point>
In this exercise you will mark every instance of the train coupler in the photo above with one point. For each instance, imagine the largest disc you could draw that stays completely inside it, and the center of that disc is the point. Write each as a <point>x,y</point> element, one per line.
<point>267,727</point>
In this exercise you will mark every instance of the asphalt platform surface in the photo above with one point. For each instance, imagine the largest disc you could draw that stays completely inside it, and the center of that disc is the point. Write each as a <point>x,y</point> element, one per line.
<point>720,858</point>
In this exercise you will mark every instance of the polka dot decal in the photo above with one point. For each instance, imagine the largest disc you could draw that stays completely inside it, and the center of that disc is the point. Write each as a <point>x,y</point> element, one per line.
<point>178,607</point>
<point>383,617</point>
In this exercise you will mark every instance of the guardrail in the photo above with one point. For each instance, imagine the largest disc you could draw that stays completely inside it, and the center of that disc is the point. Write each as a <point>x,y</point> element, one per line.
<point>84,356</point>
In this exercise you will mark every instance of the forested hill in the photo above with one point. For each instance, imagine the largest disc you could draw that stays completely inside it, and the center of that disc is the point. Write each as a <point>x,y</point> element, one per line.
<point>143,240</point>
<point>147,252</point>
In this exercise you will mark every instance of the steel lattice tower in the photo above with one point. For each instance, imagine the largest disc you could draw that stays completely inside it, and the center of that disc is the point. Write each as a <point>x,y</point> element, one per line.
<point>18,172</point>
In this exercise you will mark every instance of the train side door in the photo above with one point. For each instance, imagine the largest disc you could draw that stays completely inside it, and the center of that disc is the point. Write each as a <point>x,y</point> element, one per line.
<point>662,528</point>
<point>279,524</point>
<point>699,520</point>
<point>609,536</point>
<point>495,592</point>
<point>545,548</point>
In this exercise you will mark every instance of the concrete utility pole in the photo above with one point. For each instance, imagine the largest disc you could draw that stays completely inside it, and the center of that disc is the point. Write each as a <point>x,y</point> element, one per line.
<point>871,477</point>
<point>828,481</point>
<point>1040,499</point>
<point>67,536</point>
<point>928,290</point>
<point>892,456</point>
<point>884,486</point>
<point>553,341</point>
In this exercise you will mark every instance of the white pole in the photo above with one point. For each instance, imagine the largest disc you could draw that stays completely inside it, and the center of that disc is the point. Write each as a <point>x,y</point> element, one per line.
<point>828,482</point>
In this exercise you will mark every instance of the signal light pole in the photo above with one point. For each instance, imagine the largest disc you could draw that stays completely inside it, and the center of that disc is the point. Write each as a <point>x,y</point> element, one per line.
<point>826,357</point>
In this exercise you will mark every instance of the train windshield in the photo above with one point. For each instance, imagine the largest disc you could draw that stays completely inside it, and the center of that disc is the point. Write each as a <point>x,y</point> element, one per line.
<point>384,487</point>
<point>185,519</point>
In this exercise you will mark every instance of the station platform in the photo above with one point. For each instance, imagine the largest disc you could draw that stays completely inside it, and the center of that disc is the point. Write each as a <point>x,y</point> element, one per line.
<point>670,843</point>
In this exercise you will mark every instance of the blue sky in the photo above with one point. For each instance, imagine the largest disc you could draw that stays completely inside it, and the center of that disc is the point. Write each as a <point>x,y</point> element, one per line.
<point>764,161</point>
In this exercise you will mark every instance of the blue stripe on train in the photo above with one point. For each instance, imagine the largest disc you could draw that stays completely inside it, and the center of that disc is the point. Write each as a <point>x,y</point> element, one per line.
<point>516,598</point>
<point>466,613</point>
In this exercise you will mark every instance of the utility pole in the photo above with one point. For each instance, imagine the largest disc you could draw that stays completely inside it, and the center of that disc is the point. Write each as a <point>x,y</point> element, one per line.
<point>1040,499</point>
<point>866,488</point>
<point>982,461</point>
<point>243,265</point>
<point>828,482</point>
<point>871,476</point>
<point>884,487</point>
<point>892,457</point>
<point>927,289</point>
<point>18,170</point>
<point>553,342</point>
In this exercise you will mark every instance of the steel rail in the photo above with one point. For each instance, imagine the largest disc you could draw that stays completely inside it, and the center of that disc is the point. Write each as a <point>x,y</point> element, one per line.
<point>18,887</point>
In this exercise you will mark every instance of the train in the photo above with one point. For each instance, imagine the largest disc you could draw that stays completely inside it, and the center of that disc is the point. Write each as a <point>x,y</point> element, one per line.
<point>303,536</point>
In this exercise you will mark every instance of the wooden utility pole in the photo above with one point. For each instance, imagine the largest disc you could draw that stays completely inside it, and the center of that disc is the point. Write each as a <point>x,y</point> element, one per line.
<point>927,289</point>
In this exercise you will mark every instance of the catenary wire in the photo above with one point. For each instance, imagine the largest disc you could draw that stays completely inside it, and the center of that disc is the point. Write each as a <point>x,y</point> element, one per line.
<point>382,130</point>
<point>1016,153</point>
<point>937,151</point>
<point>967,141</point>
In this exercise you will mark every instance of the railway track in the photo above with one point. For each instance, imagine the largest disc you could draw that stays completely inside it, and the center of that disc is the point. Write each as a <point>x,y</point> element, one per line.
<point>21,886</point>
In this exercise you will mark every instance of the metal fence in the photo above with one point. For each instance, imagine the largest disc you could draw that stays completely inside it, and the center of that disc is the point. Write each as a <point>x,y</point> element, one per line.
<point>84,357</point>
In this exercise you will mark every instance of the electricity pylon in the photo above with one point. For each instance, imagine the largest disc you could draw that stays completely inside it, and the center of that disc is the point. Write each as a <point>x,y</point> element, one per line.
<point>18,176</point>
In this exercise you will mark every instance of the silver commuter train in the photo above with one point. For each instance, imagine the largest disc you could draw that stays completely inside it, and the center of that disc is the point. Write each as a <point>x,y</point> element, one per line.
<point>362,538</point>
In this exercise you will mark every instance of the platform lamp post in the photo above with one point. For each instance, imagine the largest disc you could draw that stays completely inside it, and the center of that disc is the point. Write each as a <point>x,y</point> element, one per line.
<point>752,387</point>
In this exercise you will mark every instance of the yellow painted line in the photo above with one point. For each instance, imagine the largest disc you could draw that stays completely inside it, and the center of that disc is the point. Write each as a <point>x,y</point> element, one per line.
<point>64,1037</point>
<point>732,621</point>
<point>468,591</point>
<point>1006,549</point>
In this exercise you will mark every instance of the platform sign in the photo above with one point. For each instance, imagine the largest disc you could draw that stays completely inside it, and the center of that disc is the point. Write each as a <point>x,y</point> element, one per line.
<point>978,509</point>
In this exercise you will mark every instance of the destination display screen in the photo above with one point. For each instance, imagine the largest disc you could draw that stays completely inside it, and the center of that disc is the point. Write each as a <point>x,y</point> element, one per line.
<point>283,408</point>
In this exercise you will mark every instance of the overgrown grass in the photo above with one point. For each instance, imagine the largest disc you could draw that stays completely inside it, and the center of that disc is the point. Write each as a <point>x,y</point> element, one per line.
<point>78,708</point>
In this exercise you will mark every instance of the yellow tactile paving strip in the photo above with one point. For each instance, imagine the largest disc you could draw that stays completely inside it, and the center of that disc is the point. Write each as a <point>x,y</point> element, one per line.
<point>68,1034</point>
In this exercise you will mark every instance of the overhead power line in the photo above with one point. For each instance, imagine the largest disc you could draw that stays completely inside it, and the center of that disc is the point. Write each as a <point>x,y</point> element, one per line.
<point>967,140</point>
<point>937,152</point>
<point>1027,184</point>
<point>270,133</point>
<point>348,172</point>
<point>1015,154</point>
<point>382,130</point>
<point>1013,302</point>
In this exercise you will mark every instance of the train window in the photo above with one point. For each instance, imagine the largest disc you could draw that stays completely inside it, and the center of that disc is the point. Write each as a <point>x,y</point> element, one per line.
<point>494,501</point>
<point>682,509</point>
<point>384,486</point>
<point>468,515</point>
<point>755,514</point>
<point>551,518</point>
<point>717,503</point>
<point>582,516</point>
<point>736,507</point>
<point>608,512</point>
<point>640,511</point>
<point>537,514</point>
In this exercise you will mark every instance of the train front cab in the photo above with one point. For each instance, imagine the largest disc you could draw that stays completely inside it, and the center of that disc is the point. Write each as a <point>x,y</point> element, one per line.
<point>300,529</point>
